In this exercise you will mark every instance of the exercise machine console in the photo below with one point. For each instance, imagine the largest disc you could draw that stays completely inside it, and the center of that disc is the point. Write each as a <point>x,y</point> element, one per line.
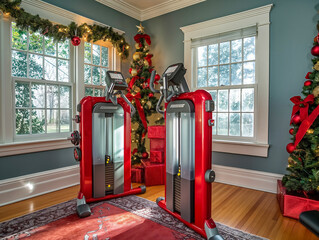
<point>188,120</point>
<point>104,145</point>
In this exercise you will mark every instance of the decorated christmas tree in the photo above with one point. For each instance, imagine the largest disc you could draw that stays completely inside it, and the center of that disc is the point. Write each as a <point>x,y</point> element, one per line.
<point>140,95</point>
<point>303,162</point>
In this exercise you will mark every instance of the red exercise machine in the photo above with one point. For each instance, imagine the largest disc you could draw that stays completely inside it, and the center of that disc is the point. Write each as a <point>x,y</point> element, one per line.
<point>104,150</point>
<point>188,152</point>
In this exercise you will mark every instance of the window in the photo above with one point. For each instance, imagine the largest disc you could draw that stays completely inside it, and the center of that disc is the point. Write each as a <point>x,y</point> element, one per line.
<point>229,57</point>
<point>40,71</point>
<point>96,63</point>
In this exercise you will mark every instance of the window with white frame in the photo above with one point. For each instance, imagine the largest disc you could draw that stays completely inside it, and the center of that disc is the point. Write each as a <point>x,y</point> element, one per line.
<point>229,57</point>
<point>40,70</point>
<point>96,63</point>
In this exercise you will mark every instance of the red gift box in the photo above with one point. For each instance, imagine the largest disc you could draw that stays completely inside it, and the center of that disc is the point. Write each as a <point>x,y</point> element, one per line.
<point>157,144</point>
<point>154,173</point>
<point>156,157</point>
<point>292,206</point>
<point>156,132</point>
<point>137,174</point>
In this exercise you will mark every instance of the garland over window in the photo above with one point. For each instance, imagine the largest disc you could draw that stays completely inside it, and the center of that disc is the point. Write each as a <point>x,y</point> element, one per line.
<point>61,32</point>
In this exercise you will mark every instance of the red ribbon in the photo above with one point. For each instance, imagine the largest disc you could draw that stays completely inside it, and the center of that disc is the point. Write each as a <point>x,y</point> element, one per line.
<point>301,106</point>
<point>140,109</point>
<point>148,58</point>
<point>138,38</point>
<point>133,81</point>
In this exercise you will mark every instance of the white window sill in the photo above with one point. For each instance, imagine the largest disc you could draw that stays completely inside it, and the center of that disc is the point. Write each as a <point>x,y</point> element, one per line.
<point>243,148</point>
<point>15,148</point>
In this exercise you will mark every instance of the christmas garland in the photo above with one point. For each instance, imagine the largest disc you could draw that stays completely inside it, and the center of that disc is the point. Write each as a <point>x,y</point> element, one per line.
<point>61,32</point>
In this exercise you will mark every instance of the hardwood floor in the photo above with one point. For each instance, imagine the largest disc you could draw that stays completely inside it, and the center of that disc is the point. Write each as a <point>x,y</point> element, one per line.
<point>252,211</point>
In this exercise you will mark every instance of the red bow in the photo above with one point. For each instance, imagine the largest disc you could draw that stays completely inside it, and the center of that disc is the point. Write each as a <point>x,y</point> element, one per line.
<point>148,58</point>
<point>138,38</point>
<point>302,106</point>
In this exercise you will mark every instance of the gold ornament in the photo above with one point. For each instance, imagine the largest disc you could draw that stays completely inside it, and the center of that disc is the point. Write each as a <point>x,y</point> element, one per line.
<point>146,63</point>
<point>134,72</point>
<point>136,56</point>
<point>137,45</point>
<point>310,131</point>
<point>149,104</point>
<point>316,67</point>
<point>290,160</point>
<point>143,101</point>
<point>140,28</point>
<point>317,152</point>
<point>146,47</point>
<point>128,80</point>
<point>318,188</point>
<point>315,91</point>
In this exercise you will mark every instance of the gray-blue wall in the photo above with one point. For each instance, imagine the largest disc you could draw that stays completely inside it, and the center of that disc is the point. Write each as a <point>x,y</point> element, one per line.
<point>13,166</point>
<point>292,29</point>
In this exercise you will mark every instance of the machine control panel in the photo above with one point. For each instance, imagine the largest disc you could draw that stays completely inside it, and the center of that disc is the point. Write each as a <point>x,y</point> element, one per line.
<point>175,73</point>
<point>115,80</point>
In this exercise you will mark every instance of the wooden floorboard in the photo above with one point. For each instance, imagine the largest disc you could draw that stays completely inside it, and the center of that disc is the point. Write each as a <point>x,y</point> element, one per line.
<point>249,210</point>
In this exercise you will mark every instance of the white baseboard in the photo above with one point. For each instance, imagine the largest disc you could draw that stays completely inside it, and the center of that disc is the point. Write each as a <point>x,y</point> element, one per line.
<point>257,180</point>
<point>27,186</point>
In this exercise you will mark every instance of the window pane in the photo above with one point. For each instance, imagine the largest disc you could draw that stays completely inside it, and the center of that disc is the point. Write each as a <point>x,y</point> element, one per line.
<point>236,74</point>
<point>236,50</point>
<point>49,46</point>
<point>222,127</point>
<point>213,54</point>
<point>87,74</point>
<point>65,120</point>
<point>248,125</point>
<point>19,38</point>
<point>96,54</point>
<point>249,48</point>
<point>202,56</point>
<point>35,66</point>
<point>19,64</point>
<point>213,76</point>
<point>38,95</point>
<point>65,96</point>
<point>222,100</point>
<point>52,96</point>
<point>96,75</point>
<point>22,121</point>
<point>52,121</point>
<point>50,68</point>
<point>103,72</point>
<point>87,52</point>
<point>105,56</point>
<point>202,77</point>
<point>64,49</point>
<point>224,52</point>
<point>234,100</point>
<point>214,96</point>
<point>35,42</point>
<point>88,91</point>
<point>38,121</point>
<point>22,93</point>
<point>63,70</point>
<point>249,73</point>
<point>214,127</point>
<point>234,124</point>
<point>98,92</point>
<point>248,99</point>
<point>224,75</point>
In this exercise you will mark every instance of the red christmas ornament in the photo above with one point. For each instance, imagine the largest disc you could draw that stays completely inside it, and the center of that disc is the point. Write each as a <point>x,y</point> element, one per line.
<point>157,77</point>
<point>130,70</point>
<point>291,131</point>
<point>307,76</point>
<point>144,155</point>
<point>307,83</point>
<point>290,147</point>
<point>150,95</point>
<point>315,50</point>
<point>75,40</point>
<point>296,119</point>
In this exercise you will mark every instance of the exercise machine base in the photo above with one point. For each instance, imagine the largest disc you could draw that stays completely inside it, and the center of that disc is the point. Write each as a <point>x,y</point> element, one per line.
<point>209,232</point>
<point>83,209</point>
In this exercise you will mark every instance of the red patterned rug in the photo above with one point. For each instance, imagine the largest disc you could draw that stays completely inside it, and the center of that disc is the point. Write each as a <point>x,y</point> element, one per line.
<point>129,217</point>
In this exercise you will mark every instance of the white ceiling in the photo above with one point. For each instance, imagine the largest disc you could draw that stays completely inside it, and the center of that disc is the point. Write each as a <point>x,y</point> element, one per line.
<point>146,9</point>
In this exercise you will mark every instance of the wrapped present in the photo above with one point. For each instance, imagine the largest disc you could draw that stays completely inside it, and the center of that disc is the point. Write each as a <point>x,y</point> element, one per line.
<point>157,157</point>
<point>137,174</point>
<point>292,206</point>
<point>156,132</point>
<point>154,173</point>
<point>157,144</point>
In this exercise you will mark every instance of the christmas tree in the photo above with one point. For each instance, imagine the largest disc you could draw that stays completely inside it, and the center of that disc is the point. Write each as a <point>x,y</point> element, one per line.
<point>303,162</point>
<point>140,95</point>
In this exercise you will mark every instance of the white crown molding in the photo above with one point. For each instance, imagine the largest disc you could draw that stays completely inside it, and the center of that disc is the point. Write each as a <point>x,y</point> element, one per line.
<point>31,185</point>
<point>57,14</point>
<point>151,12</point>
<point>258,180</point>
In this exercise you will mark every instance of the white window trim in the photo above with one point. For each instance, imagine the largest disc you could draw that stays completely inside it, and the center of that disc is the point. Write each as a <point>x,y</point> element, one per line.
<point>8,144</point>
<point>255,17</point>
